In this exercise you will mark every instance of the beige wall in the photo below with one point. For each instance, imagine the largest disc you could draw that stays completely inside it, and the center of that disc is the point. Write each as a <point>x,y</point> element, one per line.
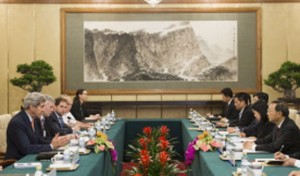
<point>31,32</point>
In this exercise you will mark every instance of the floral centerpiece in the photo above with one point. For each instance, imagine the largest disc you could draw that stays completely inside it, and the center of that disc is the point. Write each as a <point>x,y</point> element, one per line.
<point>102,143</point>
<point>153,154</point>
<point>205,142</point>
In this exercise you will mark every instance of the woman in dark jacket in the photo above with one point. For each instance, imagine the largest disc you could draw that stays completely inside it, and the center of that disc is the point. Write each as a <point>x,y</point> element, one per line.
<point>261,127</point>
<point>78,108</point>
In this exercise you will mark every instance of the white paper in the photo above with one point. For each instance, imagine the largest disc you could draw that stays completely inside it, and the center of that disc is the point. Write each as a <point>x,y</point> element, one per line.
<point>27,165</point>
<point>252,151</point>
<point>65,165</point>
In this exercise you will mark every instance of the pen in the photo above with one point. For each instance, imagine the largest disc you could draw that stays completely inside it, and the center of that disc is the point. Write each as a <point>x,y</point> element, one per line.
<point>281,148</point>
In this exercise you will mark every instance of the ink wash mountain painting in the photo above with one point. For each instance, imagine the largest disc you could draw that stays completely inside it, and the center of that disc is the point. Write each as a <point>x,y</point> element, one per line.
<point>195,51</point>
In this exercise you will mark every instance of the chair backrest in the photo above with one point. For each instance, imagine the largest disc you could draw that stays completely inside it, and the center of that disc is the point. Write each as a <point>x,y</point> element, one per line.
<point>292,113</point>
<point>297,120</point>
<point>14,113</point>
<point>4,120</point>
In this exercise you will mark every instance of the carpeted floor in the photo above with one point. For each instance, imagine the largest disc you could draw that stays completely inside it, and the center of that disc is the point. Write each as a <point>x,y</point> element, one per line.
<point>128,165</point>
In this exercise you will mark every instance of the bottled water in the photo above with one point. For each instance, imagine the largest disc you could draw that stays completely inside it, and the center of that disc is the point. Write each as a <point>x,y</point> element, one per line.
<point>244,164</point>
<point>38,171</point>
<point>98,125</point>
<point>103,124</point>
<point>113,115</point>
<point>81,143</point>
<point>67,155</point>
<point>190,113</point>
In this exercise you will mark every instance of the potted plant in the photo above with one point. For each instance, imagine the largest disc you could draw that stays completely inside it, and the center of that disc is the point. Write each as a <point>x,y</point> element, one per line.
<point>286,79</point>
<point>34,76</point>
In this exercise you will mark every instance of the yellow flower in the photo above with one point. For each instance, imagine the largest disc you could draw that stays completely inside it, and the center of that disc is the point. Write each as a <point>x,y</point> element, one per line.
<point>110,145</point>
<point>102,135</point>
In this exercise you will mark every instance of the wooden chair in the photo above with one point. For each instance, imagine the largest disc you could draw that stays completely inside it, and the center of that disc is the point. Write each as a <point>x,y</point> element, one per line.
<point>4,120</point>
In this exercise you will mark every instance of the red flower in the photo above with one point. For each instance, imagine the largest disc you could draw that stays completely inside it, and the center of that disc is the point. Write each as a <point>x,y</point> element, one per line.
<point>145,158</point>
<point>162,138</point>
<point>137,175</point>
<point>143,142</point>
<point>147,131</point>
<point>163,157</point>
<point>163,143</point>
<point>164,130</point>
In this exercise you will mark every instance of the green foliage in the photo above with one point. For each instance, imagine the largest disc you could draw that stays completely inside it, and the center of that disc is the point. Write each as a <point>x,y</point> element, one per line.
<point>286,78</point>
<point>34,76</point>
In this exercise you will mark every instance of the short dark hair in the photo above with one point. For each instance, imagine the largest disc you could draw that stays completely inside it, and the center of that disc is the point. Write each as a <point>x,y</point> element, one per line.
<point>242,96</point>
<point>262,96</point>
<point>227,92</point>
<point>281,106</point>
<point>60,99</point>
<point>262,108</point>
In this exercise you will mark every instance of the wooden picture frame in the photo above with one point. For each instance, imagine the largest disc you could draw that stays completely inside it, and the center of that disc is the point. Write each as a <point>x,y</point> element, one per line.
<point>248,22</point>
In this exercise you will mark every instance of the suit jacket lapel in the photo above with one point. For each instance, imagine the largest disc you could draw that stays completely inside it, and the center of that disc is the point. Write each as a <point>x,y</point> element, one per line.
<point>31,132</point>
<point>278,130</point>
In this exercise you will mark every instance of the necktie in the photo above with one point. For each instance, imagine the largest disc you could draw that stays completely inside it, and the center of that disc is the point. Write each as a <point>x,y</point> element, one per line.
<point>43,124</point>
<point>32,125</point>
<point>43,127</point>
<point>240,115</point>
<point>61,122</point>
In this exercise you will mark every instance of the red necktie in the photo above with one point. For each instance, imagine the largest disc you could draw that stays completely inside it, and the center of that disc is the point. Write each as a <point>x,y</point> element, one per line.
<point>32,125</point>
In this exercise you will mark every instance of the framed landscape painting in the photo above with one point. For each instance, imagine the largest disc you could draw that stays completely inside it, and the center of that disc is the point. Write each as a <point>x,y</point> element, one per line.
<point>138,51</point>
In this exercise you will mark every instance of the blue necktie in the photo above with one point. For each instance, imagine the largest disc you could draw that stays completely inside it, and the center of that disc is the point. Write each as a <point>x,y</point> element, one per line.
<point>61,121</point>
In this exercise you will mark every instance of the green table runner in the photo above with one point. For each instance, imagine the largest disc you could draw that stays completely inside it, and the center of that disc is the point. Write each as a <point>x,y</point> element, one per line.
<point>91,164</point>
<point>124,131</point>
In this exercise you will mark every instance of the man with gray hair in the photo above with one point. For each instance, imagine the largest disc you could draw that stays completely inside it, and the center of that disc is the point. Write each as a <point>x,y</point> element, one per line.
<point>22,138</point>
<point>48,109</point>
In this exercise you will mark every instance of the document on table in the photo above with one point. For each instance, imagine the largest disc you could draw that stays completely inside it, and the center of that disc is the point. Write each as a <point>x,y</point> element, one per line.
<point>27,165</point>
<point>253,151</point>
<point>270,161</point>
<point>239,139</point>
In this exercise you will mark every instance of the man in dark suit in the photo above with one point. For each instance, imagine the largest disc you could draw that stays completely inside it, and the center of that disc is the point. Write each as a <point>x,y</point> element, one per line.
<point>40,127</point>
<point>285,136</point>
<point>260,96</point>
<point>242,103</point>
<point>54,123</point>
<point>229,112</point>
<point>22,138</point>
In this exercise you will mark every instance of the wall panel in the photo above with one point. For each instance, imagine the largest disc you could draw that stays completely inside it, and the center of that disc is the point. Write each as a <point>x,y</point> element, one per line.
<point>21,36</point>
<point>47,41</point>
<point>32,31</point>
<point>274,40</point>
<point>3,59</point>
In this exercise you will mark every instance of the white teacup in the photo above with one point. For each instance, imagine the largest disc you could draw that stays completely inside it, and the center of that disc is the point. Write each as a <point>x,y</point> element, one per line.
<point>74,142</point>
<point>255,169</point>
<point>237,152</point>
<point>74,149</point>
<point>57,159</point>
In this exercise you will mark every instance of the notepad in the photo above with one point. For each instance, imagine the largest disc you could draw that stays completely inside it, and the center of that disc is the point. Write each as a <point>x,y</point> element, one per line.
<point>270,161</point>
<point>27,165</point>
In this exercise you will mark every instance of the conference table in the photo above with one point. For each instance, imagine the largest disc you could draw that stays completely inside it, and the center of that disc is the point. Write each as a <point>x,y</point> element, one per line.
<point>209,163</point>
<point>90,165</point>
<point>126,131</point>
